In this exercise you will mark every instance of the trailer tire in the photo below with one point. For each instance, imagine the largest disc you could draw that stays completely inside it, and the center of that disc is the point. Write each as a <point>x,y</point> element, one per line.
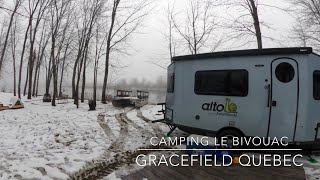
<point>230,133</point>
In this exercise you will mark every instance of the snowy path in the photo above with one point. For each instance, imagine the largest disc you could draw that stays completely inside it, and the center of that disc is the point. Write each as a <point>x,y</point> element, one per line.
<point>134,133</point>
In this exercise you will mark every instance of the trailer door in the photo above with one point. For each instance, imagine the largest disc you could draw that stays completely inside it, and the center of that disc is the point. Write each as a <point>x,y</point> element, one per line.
<point>283,100</point>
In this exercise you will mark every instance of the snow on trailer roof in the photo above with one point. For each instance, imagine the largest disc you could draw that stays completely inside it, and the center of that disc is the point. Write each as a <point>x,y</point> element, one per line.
<point>248,52</point>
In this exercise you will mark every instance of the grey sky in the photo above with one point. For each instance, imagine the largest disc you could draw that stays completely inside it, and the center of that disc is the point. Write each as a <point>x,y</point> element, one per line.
<point>151,44</point>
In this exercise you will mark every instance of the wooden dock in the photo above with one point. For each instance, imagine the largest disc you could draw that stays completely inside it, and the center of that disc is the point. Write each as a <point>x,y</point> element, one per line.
<point>236,172</point>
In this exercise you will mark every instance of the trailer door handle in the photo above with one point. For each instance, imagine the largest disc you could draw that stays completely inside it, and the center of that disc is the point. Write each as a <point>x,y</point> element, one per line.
<point>269,94</point>
<point>274,103</point>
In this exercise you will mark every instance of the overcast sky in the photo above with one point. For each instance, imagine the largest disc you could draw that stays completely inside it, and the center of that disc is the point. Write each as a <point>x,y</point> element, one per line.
<point>152,45</point>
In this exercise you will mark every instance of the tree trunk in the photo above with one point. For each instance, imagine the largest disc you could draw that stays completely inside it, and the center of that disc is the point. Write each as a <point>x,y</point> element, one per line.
<point>21,61</point>
<point>74,79</point>
<point>31,66</point>
<point>83,83</point>
<point>74,73</point>
<point>26,84</point>
<point>32,57</point>
<point>84,76</point>
<point>95,71</point>
<point>35,80</point>
<point>38,76</point>
<point>54,71</point>
<point>62,71</point>
<point>105,79</point>
<point>31,63</point>
<point>63,67</point>
<point>55,87</point>
<point>14,66</point>
<point>256,23</point>
<point>77,85</point>
<point>48,77</point>
<point>106,73</point>
<point>14,76</point>
<point>95,83</point>
<point>39,60</point>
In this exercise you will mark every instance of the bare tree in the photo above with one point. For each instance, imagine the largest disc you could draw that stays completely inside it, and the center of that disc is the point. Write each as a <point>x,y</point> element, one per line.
<point>14,42</point>
<point>171,38</point>
<point>91,11</point>
<point>99,46</point>
<point>198,27</point>
<point>307,29</point>
<point>63,63</point>
<point>253,9</point>
<point>172,42</point>
<point>44,39</point>
<point>17,4</point>
<point>32,7</point>
<point>247,23</point>
<point>64,44</point>
<point>32,37</point>
<point>58,11</point>
<point>121,27</point>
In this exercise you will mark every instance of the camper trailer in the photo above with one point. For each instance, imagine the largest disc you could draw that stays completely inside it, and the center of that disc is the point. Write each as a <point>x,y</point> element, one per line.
<point>265,93</point>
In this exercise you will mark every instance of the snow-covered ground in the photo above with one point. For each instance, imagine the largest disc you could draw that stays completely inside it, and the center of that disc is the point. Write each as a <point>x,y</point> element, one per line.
<point>45,142</point>
<point>151,112</point>
<point>312,170</point>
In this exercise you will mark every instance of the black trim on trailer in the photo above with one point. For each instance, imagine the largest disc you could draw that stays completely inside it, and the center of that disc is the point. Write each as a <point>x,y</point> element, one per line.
<point>249,52</point>
<point>298,101</point>
<point>193,130</point>
<point>317,129</point>
<point>298,96</point>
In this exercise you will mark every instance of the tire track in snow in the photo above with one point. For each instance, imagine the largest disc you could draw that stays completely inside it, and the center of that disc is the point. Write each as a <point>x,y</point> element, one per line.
<point>155,127</point>
<point>104,166</point>
<point>143,131</point>
<point>124,133</point>
<point>102,122</point>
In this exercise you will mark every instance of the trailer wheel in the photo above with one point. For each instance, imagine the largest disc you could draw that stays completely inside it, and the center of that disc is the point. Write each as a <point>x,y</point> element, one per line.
<point>229,133</point>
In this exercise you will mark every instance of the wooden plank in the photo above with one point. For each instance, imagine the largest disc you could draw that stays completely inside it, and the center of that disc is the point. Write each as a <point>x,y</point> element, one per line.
<point>4,108</point>
<point>133,176</point>
<point>232,172</point>
<point>150,172</point>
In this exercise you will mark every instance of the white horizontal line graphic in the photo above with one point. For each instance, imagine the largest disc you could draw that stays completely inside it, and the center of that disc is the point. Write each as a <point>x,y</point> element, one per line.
<point>219,149</point>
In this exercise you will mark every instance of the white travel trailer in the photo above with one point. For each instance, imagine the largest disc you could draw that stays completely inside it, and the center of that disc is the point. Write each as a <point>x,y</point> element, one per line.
<point>265,93</point>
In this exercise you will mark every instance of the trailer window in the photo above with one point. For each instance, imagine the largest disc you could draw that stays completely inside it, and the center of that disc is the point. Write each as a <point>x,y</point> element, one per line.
<point>285,72</point>
<point>170,83</point>
<point>316,85</point>
<point>222,82</point>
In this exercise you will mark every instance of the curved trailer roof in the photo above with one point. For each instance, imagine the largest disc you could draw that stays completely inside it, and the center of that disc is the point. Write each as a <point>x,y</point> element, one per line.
<point>248,52</point>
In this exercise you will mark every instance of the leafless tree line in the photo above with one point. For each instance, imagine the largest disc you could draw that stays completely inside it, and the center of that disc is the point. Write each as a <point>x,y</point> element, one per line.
<point>307,28</point>
<point>53,37</point>
<point>197,26</point>
<point>195,29</point>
